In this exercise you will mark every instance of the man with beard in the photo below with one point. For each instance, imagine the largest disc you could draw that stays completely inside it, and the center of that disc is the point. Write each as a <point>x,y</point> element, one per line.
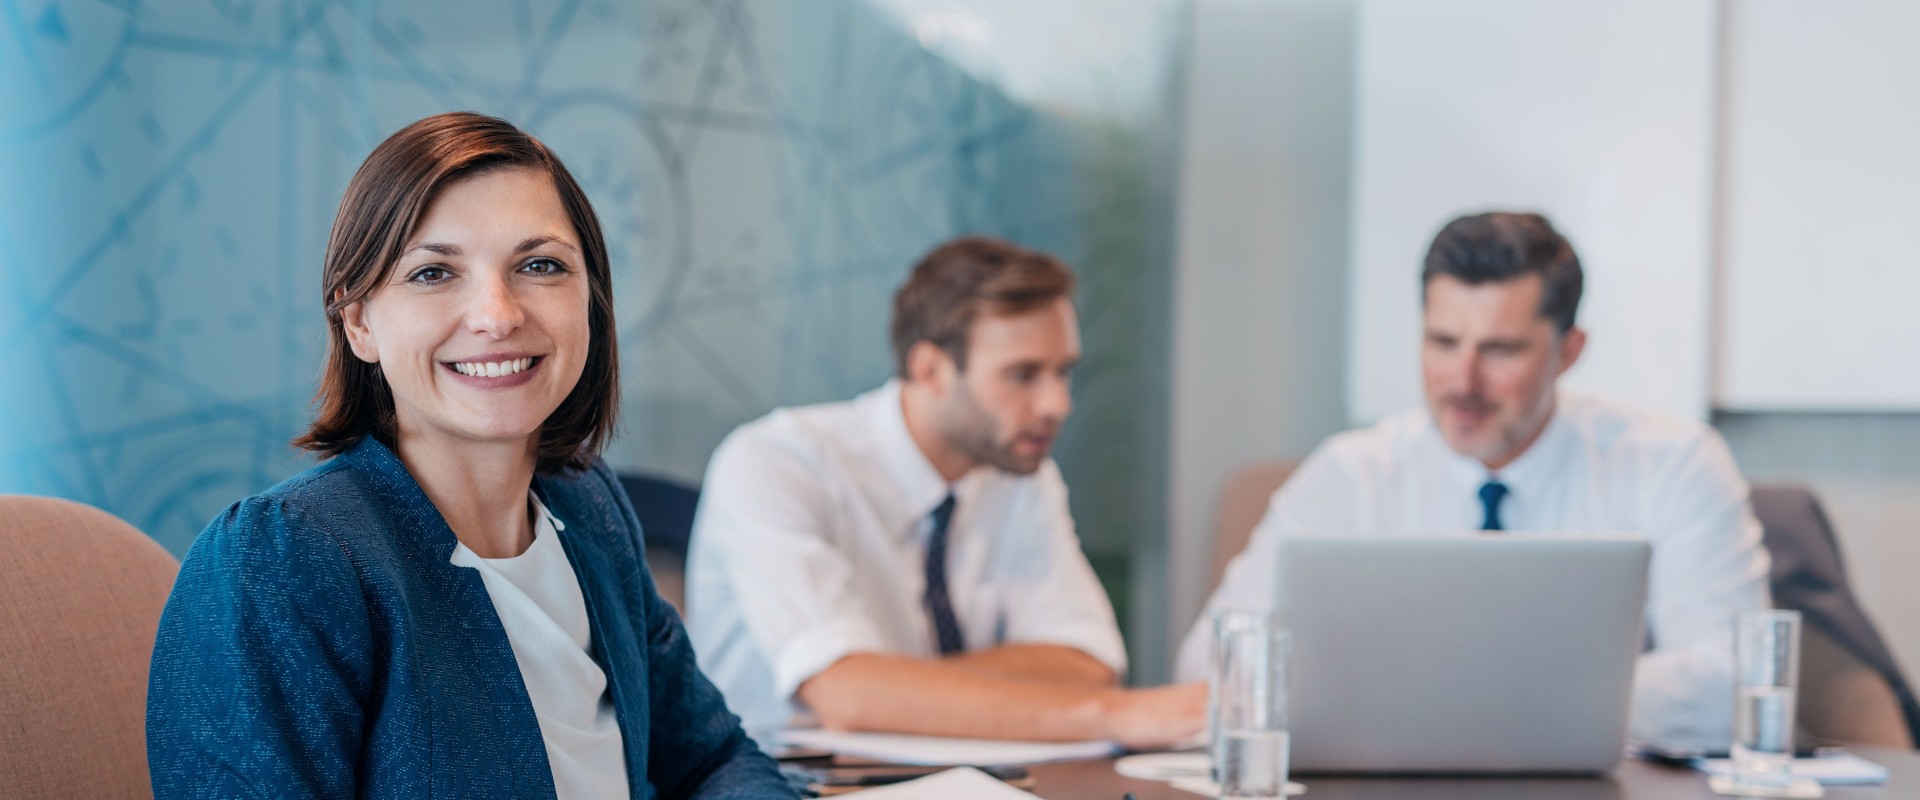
<point>905,561</point>
<point>1497,447</point>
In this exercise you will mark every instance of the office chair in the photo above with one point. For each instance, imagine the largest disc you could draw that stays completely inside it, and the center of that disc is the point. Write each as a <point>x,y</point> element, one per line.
<point>1242,503</point>
<point>665,508</point>
<point>1851,690</point>
<point>80,600</point>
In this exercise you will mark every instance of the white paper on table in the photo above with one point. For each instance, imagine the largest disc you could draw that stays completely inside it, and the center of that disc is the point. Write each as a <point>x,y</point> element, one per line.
<point>1845,769</point>
<point>896,748</point>
<point>961,783</point>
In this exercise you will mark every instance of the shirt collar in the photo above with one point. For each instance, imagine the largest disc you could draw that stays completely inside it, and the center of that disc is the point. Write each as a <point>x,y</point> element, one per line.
<point>542,515</point>
<point>921,487</point>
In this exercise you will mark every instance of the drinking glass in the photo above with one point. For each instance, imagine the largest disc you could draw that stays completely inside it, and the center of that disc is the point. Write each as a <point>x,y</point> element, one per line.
<point>1247,712</point>
<point>1767,665</point>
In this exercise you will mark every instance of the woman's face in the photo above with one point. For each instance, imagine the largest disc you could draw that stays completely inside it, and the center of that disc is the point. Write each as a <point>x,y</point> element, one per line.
<point>481,327</point>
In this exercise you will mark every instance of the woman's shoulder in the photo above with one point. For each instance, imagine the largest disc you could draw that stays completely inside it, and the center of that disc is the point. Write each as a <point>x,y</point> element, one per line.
<point>292,523</point>
<point>267,590</point>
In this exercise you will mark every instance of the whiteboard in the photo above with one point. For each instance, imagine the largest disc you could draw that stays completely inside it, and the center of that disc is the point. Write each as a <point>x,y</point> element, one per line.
<point>1822,198</point>
<point>1596,114</point>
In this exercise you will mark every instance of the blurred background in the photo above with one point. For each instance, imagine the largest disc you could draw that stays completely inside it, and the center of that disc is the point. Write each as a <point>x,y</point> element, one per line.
<point>1246,187</point>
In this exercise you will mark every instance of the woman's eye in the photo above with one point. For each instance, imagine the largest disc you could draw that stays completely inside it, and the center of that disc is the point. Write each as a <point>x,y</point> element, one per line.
<point>428,275</point>
<point>545,266</point>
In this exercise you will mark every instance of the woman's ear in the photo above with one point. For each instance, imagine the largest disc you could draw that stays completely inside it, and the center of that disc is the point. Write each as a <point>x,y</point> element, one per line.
<point>353,318</point>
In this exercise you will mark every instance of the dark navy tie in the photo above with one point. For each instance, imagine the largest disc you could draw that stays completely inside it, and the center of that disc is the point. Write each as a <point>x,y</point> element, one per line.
<point>939,604</point>
<point>1491,493</point>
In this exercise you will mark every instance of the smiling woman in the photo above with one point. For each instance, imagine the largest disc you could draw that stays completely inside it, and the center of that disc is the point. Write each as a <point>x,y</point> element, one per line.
<point>481,328</point>
<point>407,618</point>
<point>418,218</point>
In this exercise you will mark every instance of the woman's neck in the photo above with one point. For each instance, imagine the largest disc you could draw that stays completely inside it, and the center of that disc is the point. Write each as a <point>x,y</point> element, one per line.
<point>480,489</point>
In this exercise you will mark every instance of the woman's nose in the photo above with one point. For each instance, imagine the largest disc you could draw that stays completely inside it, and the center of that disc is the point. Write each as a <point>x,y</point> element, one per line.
<point>495,311</point>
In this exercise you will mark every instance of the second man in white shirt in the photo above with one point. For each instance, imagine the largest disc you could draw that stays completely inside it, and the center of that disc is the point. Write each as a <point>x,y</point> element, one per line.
<point>906,561</point>
<point>1498,447</point>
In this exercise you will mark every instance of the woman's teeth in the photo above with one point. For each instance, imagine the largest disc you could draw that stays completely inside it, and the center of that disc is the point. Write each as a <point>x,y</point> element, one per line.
<point>491,369</point>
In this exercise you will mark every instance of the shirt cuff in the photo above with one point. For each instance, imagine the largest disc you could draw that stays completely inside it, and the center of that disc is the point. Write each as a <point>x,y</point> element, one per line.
<point>1680,697</point>
<point>812,651</point>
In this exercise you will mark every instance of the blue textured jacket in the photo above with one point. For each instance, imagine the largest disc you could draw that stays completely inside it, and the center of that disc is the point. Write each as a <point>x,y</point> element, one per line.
<point>319,643</point>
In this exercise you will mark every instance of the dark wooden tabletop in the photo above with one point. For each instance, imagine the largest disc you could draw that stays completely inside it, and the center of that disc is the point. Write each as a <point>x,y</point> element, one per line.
<point>1633,780</point>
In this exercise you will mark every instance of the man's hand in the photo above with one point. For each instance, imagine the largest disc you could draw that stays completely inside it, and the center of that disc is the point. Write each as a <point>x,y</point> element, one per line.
<point>1157,717</point>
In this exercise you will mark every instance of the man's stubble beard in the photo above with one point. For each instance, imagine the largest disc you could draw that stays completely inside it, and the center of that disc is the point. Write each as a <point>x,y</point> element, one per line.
<point>970,430</point>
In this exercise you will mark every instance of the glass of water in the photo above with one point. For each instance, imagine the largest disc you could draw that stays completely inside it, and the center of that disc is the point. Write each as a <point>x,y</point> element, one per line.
<point>1767,674</point>
<point>1248,709</point>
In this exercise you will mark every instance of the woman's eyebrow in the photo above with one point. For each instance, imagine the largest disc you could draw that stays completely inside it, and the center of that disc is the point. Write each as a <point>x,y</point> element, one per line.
<point>540,240</point>
<point>437,247</point>
<point>450,250</point>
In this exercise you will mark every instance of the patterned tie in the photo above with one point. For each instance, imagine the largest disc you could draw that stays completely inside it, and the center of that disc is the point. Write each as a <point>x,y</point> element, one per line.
<point>1491,493</point>
<point>939,605</point>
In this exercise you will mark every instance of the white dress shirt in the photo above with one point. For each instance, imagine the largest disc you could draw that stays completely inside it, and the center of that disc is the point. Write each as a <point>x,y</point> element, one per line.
<point>1596,468</point>
<point>810,545</point>
<point>537,596</point>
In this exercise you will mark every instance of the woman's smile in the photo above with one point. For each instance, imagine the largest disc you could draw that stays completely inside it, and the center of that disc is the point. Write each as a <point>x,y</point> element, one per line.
<point>495,371</point>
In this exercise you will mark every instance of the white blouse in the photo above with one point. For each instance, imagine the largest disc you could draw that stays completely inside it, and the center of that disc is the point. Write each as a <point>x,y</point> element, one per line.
<point>539,602</point>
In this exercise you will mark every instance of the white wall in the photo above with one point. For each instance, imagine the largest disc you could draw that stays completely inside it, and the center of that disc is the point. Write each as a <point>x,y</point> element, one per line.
<point>1596,114</point>
<point>1261,258</point>
<point>1822,191</point>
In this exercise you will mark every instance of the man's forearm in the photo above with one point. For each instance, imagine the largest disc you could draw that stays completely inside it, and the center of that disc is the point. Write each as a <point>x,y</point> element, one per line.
<point>1050,663</point>
<point>901,694</point>
<point>875,692</point>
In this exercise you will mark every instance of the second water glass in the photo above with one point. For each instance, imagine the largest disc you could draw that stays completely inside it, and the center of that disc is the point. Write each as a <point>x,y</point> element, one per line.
<point>1767,662</point>
<point>1249,705</point>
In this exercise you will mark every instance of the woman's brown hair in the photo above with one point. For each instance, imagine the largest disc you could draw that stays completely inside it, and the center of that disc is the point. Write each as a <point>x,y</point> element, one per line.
<point>383,204</point>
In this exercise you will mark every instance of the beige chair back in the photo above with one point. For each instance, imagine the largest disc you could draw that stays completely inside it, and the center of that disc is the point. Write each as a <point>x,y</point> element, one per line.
<point>1851,689</point>
<point>1242,503</point>
<point>80,600</point>
<point>1844,700</point>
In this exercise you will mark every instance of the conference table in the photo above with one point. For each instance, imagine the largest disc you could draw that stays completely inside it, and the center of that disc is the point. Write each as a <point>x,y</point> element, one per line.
<point>1633,780</point>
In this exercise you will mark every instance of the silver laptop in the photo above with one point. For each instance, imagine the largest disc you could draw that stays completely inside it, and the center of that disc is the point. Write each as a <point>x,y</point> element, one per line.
<point>1462,654</point>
